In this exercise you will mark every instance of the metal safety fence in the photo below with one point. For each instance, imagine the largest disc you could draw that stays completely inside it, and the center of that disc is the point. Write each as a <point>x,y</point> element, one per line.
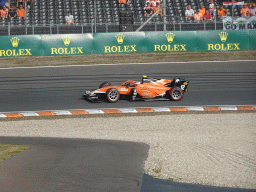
<point>99,16</point>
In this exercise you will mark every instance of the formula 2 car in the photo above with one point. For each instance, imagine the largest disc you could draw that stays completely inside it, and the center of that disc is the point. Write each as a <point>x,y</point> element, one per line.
<point>149,88</point>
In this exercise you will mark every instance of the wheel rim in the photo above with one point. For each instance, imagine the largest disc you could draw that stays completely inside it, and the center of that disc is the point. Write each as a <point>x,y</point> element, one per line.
<point>176,94</point>
<point>113,95</point>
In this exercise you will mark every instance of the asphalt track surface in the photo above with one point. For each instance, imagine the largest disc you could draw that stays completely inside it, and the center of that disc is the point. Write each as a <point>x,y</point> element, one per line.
<point>59,88</point>
<point>56,164</point>
<point>50,162</point>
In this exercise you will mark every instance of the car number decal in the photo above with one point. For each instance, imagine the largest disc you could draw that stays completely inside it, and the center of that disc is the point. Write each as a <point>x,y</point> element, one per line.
<point>123,89</point>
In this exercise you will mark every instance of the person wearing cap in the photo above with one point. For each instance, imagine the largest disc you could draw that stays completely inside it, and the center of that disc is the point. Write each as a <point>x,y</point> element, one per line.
<point>69,18</point>
<point>245,11</point>
<point>253,10</point>
<point>198,16</point>
<point>12,12</point>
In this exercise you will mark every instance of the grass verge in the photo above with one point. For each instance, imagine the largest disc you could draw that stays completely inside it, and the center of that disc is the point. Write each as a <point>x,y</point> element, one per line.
<point>126,58</point>
<point>8,150</point>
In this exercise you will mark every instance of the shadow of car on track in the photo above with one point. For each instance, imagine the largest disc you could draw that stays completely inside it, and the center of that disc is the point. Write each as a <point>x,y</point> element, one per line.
<point>151,184</point>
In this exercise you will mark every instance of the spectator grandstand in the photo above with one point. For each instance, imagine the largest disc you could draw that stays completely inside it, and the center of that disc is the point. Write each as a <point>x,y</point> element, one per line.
<point>48,16</point>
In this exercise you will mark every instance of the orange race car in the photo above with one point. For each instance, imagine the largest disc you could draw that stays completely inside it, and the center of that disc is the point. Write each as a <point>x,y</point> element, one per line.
<point>149,88</point>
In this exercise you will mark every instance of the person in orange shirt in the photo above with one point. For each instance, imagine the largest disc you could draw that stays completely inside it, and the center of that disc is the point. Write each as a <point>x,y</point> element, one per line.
<point>198,16</point>
<point>21,11</point>
<point>202,9</point>
<point>245,11</point>
<point>222,12</point>
<point>158,7</point>
<point>4,12</point>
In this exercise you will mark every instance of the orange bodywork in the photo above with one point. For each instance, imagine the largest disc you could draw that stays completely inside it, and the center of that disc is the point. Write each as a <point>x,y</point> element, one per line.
<point>145,89</point>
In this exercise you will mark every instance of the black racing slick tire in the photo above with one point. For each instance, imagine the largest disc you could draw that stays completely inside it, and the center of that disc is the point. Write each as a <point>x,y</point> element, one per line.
<point>176,93</point>
<point>104,84</point>
<point>112,95</point>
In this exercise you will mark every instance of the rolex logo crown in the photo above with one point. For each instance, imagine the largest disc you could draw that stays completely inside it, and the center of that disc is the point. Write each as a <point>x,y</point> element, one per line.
<point>15,41</point>
<point>223,36</point>
<point>170,37</point>
<point>66,40</point>
<point>120,38</point>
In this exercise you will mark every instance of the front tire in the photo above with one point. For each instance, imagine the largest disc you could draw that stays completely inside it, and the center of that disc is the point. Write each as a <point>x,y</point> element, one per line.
<point>176,93</point>
<point>113,95</point>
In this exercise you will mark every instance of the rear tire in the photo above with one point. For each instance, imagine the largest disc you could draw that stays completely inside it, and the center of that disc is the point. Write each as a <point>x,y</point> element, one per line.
<point>176,93</point>
<point>113,95</point>
<point>105,84</point>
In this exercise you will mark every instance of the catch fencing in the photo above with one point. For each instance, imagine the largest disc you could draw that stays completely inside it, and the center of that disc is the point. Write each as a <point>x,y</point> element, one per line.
<point>100,16</point>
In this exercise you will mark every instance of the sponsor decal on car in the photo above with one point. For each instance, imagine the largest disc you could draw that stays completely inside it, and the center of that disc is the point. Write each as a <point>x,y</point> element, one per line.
<point>122,89</point>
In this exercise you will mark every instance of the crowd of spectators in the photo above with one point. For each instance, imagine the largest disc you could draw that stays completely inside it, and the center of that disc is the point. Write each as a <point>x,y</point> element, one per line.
<point>152,6</point>
<point>207,14</point>
<point>201,13</point>
<point>5,12</point>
